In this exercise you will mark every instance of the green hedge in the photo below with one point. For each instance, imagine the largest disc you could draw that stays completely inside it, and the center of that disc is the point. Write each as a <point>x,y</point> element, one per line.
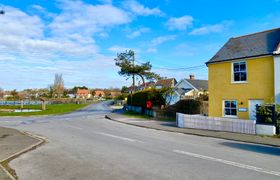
<point>140,98</point>
<point>187,106</point>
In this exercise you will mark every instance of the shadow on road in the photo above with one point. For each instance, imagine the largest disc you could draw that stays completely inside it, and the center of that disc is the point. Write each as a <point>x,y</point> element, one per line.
<point>254,147</point>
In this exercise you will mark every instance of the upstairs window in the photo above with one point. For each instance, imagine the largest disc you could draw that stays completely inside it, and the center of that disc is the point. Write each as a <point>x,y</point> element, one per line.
<point>239,71</point>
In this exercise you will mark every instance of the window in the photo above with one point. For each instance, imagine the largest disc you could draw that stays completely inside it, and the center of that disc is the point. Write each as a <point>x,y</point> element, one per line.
<point>230,108</point>
<point>239,71</point>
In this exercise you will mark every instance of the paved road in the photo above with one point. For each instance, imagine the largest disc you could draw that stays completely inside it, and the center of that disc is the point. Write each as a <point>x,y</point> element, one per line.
<point>85,145</point>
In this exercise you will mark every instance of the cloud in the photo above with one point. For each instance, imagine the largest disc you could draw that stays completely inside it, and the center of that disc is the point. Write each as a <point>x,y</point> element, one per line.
<point>87,19</point>
<point>119,49</point>
<point>34,49</point>
<point>152,50</point>
<point>137,32</point>
<point>161,39</point>
<point>180,23</point>
<point>215,28</point>
<point>138,9</point>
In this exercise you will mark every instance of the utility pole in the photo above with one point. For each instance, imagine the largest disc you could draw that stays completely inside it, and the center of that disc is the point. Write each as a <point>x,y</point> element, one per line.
<point>133,76</point>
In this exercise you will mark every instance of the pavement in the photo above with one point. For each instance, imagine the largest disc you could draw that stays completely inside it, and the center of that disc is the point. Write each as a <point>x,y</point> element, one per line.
<point>12,143</point>
<point>117,115</point>
<point>84,145</point>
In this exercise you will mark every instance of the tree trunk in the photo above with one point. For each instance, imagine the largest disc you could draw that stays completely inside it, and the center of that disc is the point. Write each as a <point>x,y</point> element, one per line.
<point>133,83</point>
<point>143,80</point>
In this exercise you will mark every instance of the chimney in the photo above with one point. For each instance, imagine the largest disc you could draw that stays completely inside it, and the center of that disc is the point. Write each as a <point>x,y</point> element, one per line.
<point>192,76</point>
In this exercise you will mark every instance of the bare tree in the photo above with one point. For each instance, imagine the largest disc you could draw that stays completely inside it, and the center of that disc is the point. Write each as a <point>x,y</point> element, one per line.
<point>1,93</point>
<point>58,85</point>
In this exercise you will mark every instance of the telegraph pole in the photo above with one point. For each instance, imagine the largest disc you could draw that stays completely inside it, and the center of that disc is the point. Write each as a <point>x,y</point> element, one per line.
<point>133,77</point>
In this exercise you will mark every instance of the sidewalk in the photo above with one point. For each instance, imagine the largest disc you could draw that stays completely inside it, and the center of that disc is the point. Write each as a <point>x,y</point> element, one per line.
<point>171,127</point>
<point>12,144</point>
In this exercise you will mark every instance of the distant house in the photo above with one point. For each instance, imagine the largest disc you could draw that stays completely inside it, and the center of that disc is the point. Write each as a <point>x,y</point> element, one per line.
<point>141,87</point>
<point>114,94</point>
<point>83,93</point>
<point>99,93</point>
<point>164,83</point>
<point>243,73</point>
<point>189,89</point>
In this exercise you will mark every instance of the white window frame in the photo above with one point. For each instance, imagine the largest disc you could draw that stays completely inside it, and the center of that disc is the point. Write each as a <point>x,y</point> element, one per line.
<point>232,72</point>
<point>224,113</point>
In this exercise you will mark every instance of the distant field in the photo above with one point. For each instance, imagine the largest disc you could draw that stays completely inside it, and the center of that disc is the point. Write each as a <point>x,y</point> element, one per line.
<point>50,109</point>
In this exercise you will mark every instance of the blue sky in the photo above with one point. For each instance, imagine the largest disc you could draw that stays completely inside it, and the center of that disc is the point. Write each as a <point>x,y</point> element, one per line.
<point>81,38</point>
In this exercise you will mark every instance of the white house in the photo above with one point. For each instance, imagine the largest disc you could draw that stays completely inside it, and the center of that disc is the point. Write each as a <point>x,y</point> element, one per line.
<point>189,88</point>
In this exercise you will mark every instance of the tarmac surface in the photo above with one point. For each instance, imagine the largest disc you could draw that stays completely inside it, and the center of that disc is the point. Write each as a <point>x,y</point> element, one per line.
<point>85,145</point>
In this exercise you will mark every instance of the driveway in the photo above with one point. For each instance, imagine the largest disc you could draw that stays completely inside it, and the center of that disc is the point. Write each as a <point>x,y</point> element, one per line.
<point>85,145</point>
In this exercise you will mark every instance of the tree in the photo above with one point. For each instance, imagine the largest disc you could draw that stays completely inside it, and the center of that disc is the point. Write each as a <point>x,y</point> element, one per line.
<point>14,94</point>
<point>1,93</point>
<point>58,85</point>
<point>125,61</point>
<point>124,89</point>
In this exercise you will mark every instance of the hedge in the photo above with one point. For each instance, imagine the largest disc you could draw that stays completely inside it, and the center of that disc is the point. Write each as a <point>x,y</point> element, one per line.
<point>187,106</point>
<point>156,96</point>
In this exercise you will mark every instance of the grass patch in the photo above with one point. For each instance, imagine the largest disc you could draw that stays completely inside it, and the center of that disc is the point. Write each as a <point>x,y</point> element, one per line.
<point>50,109</point>
<point>136,115</point>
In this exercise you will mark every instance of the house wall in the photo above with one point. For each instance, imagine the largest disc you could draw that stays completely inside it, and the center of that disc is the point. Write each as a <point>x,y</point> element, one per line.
<point>277,78</point>
<point>259,85</point>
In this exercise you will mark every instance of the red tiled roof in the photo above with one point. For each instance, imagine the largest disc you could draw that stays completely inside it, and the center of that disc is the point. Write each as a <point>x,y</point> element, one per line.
<point>83,91</point>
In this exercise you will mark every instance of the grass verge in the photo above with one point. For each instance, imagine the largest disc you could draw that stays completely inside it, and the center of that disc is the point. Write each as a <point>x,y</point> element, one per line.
<point>136,115</point>
<point>50,109</point>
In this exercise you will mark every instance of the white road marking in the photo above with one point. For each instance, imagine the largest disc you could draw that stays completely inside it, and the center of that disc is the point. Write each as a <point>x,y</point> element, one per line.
<point>117,137</point>
<point>244,166</point>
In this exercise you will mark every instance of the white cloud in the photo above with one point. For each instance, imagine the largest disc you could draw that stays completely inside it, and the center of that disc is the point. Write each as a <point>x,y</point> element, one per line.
<point>119,49</point>
<point>215,28</point>
<point>180,23</point>
<point>152,50</point>
<point>18,24</point>
<point>87,19</point>
<point>161,39</point>
<point>137,32</point>
<point>26,51</point>
<point>139,9</point>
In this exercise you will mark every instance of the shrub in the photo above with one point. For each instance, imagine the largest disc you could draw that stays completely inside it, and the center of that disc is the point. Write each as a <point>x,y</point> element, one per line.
<point>140,98</point>
<point>121,97</point>
<point>187,106</point>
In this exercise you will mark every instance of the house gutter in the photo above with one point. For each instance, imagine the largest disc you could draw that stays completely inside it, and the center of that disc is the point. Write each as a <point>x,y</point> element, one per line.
<point>226,60</point>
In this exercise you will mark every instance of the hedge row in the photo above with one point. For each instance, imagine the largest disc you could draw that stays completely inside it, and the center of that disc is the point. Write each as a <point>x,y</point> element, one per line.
<point>156,96</point>
<point>187,106</point>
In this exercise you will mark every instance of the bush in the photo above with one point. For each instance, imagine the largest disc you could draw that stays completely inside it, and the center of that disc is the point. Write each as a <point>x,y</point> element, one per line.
<point>156,96</point>
<point>121,97</point>
<point>187,106</point>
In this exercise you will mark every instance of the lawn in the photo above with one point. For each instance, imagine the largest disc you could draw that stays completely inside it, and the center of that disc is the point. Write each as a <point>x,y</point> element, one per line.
<point>50,109</point>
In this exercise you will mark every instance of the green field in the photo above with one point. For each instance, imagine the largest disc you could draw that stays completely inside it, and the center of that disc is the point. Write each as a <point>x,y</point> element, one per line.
<point>50,109</point>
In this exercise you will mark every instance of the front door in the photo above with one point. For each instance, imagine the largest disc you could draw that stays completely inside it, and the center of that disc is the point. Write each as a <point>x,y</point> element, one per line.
<point>252,108</point>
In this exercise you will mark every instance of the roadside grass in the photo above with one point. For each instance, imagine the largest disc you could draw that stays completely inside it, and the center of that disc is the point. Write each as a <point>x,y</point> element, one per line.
<point>136,115</point>
<point>50,109</point>
<point>142,116</point>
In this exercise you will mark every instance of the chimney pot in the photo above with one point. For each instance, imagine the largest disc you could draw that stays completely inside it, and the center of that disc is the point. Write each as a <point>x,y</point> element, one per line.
<point>192,76</point>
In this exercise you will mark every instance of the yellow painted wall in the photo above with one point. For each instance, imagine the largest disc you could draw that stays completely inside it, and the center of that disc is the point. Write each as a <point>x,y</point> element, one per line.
<point>260,85</point>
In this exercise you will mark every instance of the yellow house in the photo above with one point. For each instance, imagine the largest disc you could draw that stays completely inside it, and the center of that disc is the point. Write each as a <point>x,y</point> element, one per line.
<point>243,73</point>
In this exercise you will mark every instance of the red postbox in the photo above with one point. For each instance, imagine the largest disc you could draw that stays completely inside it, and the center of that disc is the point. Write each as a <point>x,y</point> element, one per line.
<point>149,104</point>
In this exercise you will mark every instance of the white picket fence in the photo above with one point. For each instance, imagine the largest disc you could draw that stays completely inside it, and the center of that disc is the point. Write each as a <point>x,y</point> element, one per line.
<point>216,123</point>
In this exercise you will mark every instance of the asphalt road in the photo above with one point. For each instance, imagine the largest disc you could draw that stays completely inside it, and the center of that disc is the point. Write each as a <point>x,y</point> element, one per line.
<point>84,145</point>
